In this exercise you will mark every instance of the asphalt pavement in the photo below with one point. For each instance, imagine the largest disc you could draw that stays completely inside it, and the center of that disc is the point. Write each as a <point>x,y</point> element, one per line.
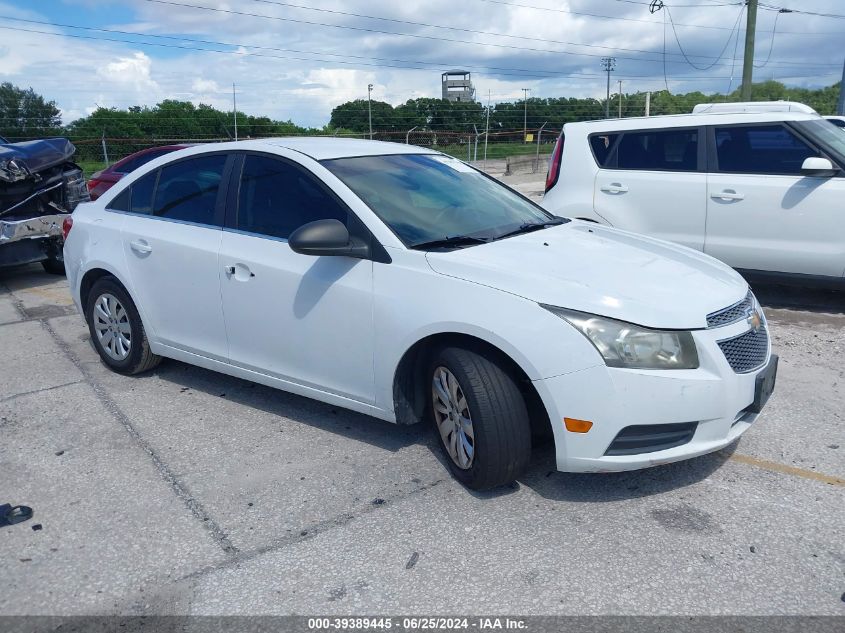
<point>183,491</point>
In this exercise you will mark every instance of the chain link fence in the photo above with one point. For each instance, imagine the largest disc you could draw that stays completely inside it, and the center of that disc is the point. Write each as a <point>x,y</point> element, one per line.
<point>527,151</point>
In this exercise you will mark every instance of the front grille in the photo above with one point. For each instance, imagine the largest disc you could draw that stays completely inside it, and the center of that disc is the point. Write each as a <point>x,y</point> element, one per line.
<point>731,314</point>
<point>648,438</point>
<point>746,352</point>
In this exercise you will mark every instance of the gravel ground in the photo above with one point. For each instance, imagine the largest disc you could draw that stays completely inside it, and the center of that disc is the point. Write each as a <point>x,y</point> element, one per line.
<point>188,492</point>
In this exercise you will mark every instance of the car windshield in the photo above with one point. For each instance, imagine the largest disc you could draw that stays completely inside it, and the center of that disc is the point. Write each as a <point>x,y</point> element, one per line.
<point>434,199</point>
<point>826,135</point>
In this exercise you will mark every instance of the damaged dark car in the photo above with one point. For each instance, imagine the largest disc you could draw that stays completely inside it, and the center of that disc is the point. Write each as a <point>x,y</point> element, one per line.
<point>39,187</point>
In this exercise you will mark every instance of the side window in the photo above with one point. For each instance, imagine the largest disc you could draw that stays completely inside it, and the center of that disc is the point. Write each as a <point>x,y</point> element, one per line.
<point>121,201</point>
<point>663,150</point>
<point>601,145</point>
<point>276,198</point>
<point>141,197</point>
<point>187,190</point>
<point>760,149</point>
<point>136,198</point>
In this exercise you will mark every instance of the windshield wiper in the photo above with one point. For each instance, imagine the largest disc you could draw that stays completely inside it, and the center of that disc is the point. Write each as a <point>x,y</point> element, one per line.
<point>456,241</point>
<point>532,226</point>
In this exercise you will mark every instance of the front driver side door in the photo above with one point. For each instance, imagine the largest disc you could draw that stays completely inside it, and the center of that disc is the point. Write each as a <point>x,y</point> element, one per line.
<point>302,319</point>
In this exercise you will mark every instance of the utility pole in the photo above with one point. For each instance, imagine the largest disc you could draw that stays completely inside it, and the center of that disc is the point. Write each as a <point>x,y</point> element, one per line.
<point>840,110</point>
<point>609,64</point>
<point>235,109</point>
<point>370,108</point>
<point>620,98</point>
<point>525,92</point>
<point>748,63</point>
<point>648,104</point>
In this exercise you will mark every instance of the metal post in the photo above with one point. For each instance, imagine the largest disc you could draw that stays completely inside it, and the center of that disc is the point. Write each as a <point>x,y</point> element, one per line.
<point>840,110</point>
<point>537,157</point>
<point>235,109</point>
<point>525,92</point>
<point>748,63</point>
<point>475,152</point>
<point>487,129</point>
<point>408,133</point>
<point>370,108</point>
<point>648,104</point>
<point>469,148</point>
<point>620,98</point>
<point>105,151</point>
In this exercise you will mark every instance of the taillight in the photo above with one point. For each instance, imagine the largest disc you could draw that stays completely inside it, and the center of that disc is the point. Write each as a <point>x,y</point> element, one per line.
<point>554,163</point>
<point>67,225</point>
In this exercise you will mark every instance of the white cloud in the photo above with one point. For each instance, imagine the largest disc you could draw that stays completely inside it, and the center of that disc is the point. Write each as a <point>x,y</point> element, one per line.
<point>131,71</point>
<point>300,71</point>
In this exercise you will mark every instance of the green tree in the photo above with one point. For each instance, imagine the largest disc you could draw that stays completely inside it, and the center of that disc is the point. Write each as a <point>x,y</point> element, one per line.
<point>24,114</point>
<point>354,115</point>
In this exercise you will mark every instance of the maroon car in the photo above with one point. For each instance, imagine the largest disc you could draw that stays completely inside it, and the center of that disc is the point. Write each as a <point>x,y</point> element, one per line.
<point>102,181</point>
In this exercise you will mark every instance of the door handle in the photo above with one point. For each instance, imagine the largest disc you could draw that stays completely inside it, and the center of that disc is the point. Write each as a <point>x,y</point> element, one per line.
<point>614,187</point>
<point>728,194</point>
<point>241,272</point>
<point>141,247</point>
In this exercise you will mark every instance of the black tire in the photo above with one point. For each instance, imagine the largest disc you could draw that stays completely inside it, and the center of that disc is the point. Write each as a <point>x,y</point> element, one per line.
<point>501,443</point>
<point>54,264</point>
<point>139,358</point>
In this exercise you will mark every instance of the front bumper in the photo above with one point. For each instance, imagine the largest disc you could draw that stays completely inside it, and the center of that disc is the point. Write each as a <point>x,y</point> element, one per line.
<point>14,230</point>
<point>713,396</point>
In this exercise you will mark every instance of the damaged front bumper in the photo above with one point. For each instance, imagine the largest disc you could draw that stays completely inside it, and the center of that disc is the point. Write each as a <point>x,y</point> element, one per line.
<point>14,230</point>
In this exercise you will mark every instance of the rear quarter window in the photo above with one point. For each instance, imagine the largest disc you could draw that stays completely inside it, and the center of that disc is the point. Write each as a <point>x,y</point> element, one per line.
<point>602,145</point>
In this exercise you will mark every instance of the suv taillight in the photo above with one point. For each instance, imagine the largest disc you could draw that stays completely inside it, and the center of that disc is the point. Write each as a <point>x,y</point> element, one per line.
<point>67,225</point>
<point>554,163</point>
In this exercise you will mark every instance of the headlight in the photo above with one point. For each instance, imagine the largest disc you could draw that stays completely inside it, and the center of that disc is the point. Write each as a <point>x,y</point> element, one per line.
<point>631,346</point>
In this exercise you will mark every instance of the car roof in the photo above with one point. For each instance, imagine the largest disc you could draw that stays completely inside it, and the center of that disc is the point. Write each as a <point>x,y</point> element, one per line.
<point>328,147</point>
<point>687,120</point>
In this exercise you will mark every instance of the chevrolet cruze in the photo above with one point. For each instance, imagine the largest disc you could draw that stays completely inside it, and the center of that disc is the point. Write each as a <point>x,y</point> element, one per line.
<point>402,283</point>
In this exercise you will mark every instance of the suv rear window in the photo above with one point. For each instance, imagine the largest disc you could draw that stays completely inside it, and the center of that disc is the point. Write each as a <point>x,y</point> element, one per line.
<point>660,150</point>
<point>602,144</point>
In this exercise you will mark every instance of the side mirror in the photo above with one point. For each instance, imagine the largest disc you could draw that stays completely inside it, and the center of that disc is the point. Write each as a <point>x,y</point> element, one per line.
<point>327,238</point>
<point>817,166</point>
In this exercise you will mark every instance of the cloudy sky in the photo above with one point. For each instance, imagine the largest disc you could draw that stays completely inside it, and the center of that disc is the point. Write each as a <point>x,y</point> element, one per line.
<point>297,59</point>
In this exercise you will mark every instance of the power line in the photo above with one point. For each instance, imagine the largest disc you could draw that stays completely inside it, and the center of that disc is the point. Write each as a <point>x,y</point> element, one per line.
<point>416,35</point>
<point>651,22</point>
<point>270,48</point>
<point>724,48</point>
<point>769,7</point>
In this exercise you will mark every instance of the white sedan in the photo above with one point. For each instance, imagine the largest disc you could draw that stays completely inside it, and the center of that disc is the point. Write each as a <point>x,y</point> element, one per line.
<point>402,283</point>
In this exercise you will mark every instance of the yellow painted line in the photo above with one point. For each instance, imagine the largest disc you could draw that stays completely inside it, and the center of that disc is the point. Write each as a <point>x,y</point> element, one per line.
<point>788,470</point>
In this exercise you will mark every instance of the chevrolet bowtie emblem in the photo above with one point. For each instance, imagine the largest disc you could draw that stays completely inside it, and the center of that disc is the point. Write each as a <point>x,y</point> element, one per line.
<point>754,319</point>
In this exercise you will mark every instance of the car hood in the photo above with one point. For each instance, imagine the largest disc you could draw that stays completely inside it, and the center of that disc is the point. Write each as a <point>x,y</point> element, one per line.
<point>603,271</point>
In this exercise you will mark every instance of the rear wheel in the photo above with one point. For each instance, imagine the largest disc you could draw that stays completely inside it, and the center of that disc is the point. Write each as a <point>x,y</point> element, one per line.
<point>116,329</point>
<point>480,417</point>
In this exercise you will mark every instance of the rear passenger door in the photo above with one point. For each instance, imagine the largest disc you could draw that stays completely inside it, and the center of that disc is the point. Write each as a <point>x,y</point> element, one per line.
<point>653,182</point>
<point>171,238</point>
<point>762,214</point>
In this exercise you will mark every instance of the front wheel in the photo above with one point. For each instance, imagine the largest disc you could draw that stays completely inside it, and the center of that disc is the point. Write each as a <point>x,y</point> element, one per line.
<point>480,416</point>
<point>116,329</point>
<point>55,262</point>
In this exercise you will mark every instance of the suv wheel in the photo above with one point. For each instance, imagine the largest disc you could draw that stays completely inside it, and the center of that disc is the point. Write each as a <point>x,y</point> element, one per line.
<point>480,417</point>
<point>116,329</point>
